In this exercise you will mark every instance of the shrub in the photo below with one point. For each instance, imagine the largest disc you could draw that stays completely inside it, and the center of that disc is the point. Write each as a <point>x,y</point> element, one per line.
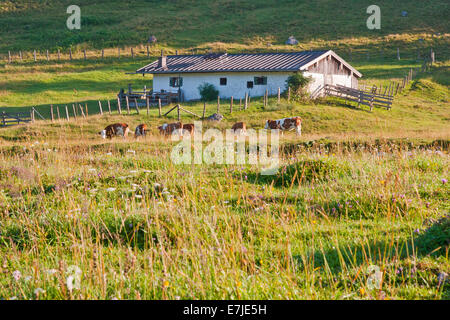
<point>208,92</point>
<point>298,83</point>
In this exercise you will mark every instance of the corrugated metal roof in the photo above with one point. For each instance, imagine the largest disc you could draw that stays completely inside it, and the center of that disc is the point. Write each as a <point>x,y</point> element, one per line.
<point>245,62</point>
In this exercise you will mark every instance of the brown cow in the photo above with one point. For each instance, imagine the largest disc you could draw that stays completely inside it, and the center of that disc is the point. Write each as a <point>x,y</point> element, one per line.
<point>169,128</point>
<point>189,128</point>
<point>116,129</point>
<point>286,124</point>
<point>141,130</point>
<point>239,128</point>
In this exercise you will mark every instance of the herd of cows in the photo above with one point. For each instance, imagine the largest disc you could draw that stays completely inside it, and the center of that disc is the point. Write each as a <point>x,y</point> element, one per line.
<point>122,129</point>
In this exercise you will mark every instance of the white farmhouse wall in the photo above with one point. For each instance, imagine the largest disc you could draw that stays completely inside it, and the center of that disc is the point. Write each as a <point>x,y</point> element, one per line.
<point>236,83</point>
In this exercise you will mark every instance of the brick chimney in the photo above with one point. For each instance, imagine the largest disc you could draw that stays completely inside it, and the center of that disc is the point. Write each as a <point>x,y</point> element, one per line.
<point>162,61</point>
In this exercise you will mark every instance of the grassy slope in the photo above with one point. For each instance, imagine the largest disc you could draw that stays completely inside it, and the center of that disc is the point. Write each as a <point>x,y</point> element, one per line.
<point>41,24</point>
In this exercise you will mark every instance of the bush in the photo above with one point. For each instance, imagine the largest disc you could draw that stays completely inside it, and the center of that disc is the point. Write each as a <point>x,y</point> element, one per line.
<point>208,92</point>
<point>298,83</point>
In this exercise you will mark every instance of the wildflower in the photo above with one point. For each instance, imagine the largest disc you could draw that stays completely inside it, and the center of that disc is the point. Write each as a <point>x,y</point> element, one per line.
<point>444,181</point>
<point>362,291</point>
<point>382,182</point>
<point>51,271</point>
<point>111,189</point>
<point>427,204</point>
<point>417,231</point>
<point>138,196</point>
<point>38,291</point>
<point>238,284</point>
<point>165,283</point>
<point>74,279</point>
<point>17,275</point>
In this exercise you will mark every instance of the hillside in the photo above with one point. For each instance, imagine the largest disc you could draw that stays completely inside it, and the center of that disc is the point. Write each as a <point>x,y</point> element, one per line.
<point>32,24</point>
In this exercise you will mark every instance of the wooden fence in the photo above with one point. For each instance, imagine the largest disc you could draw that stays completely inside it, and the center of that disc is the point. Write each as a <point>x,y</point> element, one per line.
<point>361,97</point>
<point>7,118</point>
<point>145,51</point>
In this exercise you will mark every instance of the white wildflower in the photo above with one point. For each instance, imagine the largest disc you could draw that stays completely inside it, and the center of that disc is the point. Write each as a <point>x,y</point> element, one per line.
<point>17,275</point>
<point>111,189</point>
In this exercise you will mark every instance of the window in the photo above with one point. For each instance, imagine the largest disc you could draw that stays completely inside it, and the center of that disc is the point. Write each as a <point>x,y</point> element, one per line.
<point>223,81</point>
<point>176,82</point>
<point>260,81</point>
<point>249,84</point>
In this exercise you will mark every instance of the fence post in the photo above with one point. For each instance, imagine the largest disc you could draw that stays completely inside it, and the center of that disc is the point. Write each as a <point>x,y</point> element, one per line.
<point>246,101</point>
<point>67,113</point>
<point>87,110</point>
<point>48,58</point>
<point>178,112</point>
<point>128,104</point>
<point>20,55</point>
<point>289,94</point>
<point>204,110</point>
<point>82,112</point>
<point>119,109</point>
<point>218,104</point>
<point>109,107</point>
<point>231,105</point>
<point>57,110</point>
<point>103,54</point>
<point>240,104</point>
<point>34,54</point>
<point>118,52</point>
<point>279,94</point>
<point>148,52</point>
<point>398,53</point>
<point>132,53</point>
<point>9,56</point>
<point>136,105</point>
<point>100,107</point>
<point>432,58</point>
<point>147,101</point>
<point>74,112</point>
<point>70,54</point>
<point>159,107</point>
<point>84,52</point>
<point>51,112</point>
<point>59,54</point>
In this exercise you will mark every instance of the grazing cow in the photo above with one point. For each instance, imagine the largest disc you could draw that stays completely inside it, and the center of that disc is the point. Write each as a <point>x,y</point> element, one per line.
<point>116,129</point>
<point>286,124</point>
<point>169,128</point>
<point>239,128</point>
<point>141,130</point>
<point>188,127</point>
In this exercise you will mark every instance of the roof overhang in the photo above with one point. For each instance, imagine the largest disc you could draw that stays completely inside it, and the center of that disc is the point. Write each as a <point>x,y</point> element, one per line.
<point>334,55</point>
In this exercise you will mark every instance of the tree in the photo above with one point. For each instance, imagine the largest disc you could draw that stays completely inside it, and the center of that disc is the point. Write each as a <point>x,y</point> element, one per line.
<point>208,92</point>
<point>298,84</point>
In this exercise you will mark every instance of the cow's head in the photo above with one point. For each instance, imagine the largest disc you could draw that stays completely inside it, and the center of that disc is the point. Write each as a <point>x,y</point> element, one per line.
<point>267,124</point>
<point>103,134</point>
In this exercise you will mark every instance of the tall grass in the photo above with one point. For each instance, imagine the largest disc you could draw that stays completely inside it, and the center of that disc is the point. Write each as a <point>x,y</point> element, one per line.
<point>85,219</point>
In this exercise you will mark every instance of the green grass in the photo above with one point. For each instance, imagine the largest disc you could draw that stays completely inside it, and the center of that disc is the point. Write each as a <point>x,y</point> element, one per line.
<point>219,232</point>
<point>28,25</point>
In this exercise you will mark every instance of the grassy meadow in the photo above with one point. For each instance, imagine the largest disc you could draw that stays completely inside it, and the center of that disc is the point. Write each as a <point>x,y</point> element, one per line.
<point>359,208</point>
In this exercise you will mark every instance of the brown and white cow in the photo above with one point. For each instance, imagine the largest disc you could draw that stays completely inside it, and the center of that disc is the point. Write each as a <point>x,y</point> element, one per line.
<point>239,128</point>
<point>286,124</point>
<point>141,130</point>
<point>116,129</point>
<point>189,127</point>
<point>169,128</point>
